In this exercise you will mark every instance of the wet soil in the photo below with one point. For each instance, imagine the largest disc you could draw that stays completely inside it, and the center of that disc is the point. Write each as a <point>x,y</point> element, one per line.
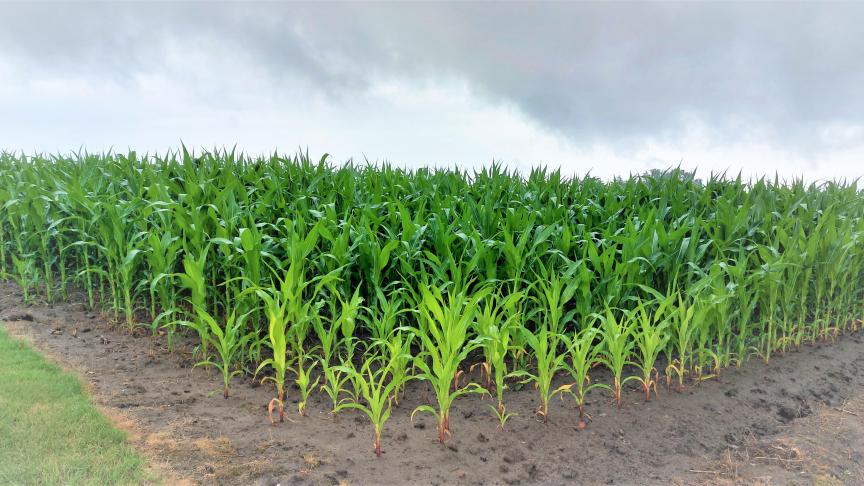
<point>797,420</point>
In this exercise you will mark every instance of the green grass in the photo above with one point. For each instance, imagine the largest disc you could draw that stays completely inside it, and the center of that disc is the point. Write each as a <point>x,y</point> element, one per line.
<point>50,432</point>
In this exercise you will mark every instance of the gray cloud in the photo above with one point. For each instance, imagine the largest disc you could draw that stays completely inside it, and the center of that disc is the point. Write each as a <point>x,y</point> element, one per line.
<point>609,72</point>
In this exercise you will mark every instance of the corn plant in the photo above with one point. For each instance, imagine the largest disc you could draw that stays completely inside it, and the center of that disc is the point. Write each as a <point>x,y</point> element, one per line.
<point>682,330</point>
<point>769,277</point>
<point>582,351</point>
<point>397,350</point>
<point>25,274</point>
<point>383,318</point>
<point>444,345</point>
<point>651,337</point>
<point>291,310</point>
<point>334,379</point>
<point>120,245</point>
<point>497,318</point>
<point>194,280</point>
<point>228,342</point>
<point>275,308</point>
<point>375,387</point>
<point>346,320</point>
<point>161,254</point>
<point>617,342</point>
<point>304,366</point>
<point>546,341</point>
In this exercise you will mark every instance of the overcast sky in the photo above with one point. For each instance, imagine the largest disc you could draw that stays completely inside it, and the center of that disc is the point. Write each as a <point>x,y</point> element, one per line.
<point>613,88</point>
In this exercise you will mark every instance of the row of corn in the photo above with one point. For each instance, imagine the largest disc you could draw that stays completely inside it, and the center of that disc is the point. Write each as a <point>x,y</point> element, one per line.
<point>353,280</point>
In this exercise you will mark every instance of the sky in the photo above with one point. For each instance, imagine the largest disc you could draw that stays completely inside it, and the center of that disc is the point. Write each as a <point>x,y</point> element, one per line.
<point>610,89</point>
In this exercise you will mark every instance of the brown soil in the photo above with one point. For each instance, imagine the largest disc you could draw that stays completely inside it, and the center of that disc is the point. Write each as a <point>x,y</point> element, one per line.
<point>799,420</point>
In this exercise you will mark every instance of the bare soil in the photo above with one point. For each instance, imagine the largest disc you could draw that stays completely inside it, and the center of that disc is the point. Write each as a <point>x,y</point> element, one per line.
<point>797,420</point>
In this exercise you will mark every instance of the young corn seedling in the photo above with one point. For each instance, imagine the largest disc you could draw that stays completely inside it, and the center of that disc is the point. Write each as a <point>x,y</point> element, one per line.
<point>617,342</point>
<point>25,274</point>
<point>334,379</point>
<point>194,280</point>
<point>444,345</point>
<point>4,197</point>
<point>329,338</point>
<point>496,320</point>
<point>705,358</point>
<point>384,316</point>
<point>545,343</point>
<point>84,246</point>
<point>397,350</point>
<point>304,364</point>
<point>121,251</point>
<point>304,361</point>
<point>745,303</point>
<point>682,331</point>
<point>582,352</point>
<point>346,322</point>
<point>290,310</point>
<point>37,215</point>
<point>376,386</point>
<point>228,342</point>
<point>651,337</point>
<point>275,304</point>
<point>127,269</point>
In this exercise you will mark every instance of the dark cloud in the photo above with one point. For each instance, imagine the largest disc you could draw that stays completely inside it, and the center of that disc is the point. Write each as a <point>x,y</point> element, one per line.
<point>611,71</point>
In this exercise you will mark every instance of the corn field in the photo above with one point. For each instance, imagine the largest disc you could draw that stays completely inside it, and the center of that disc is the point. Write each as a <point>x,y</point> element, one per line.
<point>353,280</point>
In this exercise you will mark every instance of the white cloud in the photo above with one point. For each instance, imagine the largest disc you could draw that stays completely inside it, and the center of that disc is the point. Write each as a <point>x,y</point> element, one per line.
<point>214,91</point>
